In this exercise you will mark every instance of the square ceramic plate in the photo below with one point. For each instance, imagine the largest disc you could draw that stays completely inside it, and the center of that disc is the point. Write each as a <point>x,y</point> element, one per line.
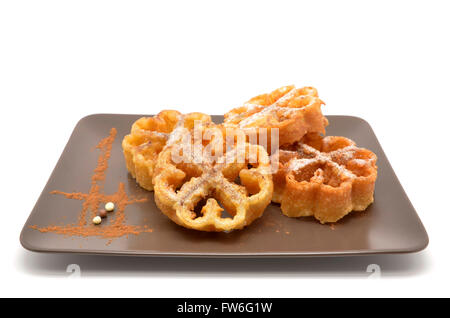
<point>389,225</point>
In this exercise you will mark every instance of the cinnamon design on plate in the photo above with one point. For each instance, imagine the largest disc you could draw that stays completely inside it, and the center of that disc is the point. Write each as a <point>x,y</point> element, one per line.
<point>92,201</point>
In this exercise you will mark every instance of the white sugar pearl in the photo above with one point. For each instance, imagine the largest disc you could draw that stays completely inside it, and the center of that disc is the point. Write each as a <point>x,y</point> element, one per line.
<point>97,220</point>
<point>109,206</point>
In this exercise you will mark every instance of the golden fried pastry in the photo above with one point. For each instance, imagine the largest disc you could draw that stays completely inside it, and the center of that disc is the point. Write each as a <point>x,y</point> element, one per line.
<point>149,135</point>
<point>193,187</point>
<point>324,177</point>
<point>293,111</point>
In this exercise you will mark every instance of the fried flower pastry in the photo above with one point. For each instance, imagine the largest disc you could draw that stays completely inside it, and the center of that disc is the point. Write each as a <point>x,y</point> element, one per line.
<point>149,135</point>
<point>195,188</point>
<point>293,111</point>
<point>324,177</point>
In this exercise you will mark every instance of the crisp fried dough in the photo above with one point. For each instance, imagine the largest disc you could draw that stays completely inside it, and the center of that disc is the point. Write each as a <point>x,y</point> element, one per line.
<point>148,137</point>
<point>194,189</point>
<point>293,111</point>
<point>324,177</point>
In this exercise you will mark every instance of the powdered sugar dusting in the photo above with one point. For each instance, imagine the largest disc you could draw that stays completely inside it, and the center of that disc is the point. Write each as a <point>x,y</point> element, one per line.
<point>344,154</point>
<point>152,133</point>
<point>272,110</point>
<point>298,164</point>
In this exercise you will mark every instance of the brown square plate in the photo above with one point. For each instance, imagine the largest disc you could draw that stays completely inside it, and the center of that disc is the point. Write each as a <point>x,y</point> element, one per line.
<point>389,225</point>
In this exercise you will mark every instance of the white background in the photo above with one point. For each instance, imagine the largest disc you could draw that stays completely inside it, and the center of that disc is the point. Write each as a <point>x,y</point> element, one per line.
<point>384,61</point>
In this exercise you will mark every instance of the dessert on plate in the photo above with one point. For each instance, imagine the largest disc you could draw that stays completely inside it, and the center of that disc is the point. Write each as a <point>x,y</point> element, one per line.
<point>220,177</point>
<point>324,177</point>
<point>148,137</point>
<point>194,188</point>
<point>292,111</point>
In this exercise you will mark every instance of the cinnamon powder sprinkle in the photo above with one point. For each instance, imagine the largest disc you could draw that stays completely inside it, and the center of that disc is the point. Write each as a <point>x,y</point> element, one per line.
<point>92,200</point>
